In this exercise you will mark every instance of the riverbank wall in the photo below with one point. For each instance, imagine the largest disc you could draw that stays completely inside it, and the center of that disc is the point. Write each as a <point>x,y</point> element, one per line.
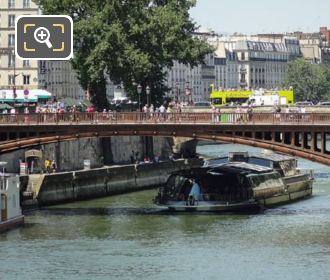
<point>71,155</point>
<point>101,182</point>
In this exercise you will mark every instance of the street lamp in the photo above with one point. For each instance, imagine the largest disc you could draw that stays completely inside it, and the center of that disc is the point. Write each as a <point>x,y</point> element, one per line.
<point>139,90</point>
<point>148,94</point>
<point>187,90</point>
<point>177,91</point>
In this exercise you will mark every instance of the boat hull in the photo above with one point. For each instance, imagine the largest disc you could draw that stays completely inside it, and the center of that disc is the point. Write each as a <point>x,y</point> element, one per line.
<point>212,206</point>
<point>11,223</point>
<point>286,197</point>
<point>296,191</point>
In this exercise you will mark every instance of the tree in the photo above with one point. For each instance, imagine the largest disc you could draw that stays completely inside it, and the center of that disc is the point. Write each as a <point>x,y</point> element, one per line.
<point>326,71</point>
<point>309,81</point>
<point>132,40</point>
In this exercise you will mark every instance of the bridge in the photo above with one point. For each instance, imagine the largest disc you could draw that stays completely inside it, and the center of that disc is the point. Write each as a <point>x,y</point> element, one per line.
<point>299,134</point>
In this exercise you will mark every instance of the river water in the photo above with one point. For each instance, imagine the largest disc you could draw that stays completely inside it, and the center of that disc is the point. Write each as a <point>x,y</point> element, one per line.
<point>125,237</point>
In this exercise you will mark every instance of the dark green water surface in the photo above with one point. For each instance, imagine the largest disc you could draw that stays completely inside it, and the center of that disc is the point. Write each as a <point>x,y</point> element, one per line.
<point>126,237</point>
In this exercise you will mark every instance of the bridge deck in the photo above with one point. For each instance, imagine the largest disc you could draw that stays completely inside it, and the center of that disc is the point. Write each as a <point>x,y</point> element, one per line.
<point>303,134</point>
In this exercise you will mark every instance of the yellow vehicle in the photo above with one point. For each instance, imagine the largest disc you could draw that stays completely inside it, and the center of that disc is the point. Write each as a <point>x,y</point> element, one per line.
<point>221,98</point>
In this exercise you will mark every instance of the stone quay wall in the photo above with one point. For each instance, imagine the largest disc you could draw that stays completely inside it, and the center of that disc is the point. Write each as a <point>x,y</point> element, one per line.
<point>71,155</point>
<point>87,184</point>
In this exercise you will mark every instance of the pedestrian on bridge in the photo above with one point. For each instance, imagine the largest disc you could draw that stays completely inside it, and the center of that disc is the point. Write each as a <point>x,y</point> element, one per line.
<point>162,111</point>
<point>47,165</point>
<point>213,110</point>
<point>53,166</point>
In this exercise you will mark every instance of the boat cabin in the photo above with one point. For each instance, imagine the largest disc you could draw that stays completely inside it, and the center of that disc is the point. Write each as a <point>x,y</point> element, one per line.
<point>232,182</point>
<point>284,164</point>
<point>239,181</point>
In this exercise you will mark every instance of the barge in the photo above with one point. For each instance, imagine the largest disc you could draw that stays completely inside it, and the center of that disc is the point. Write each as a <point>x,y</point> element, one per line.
<point>235,183</point>
<point>10,209</point>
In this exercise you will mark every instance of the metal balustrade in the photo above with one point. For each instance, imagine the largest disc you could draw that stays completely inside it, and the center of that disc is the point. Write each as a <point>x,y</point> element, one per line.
<point>166,118</point>
<point>301,134</point>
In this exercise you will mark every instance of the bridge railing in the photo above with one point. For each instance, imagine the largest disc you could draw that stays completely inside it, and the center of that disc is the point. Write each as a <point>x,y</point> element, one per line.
<point>185,118</point>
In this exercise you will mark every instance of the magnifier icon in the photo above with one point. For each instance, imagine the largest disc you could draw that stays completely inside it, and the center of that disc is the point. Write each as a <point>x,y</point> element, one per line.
<point>42,35</point>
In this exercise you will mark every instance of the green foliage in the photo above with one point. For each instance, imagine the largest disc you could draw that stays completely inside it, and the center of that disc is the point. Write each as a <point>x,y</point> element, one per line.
<point>309,81</point>
<point>132,40</point>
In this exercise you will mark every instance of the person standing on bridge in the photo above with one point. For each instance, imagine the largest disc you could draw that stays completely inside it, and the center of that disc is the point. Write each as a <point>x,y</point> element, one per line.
<point>218,115</point>
<point>47,165</point>
<point>214,111</point>
<point>250,113</point>
<point>26,112</point>
<point>13,114</point>
<point>162,111</point>
<point>53,166</point>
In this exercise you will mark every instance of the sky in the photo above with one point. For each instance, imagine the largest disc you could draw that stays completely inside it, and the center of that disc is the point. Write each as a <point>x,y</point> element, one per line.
<point>261,16</point>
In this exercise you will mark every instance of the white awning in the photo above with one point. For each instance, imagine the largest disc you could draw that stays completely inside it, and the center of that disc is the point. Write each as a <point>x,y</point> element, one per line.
<point>33,95</point>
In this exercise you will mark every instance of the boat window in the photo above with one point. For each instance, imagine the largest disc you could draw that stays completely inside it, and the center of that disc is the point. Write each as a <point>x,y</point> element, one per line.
<point>177,187</point>
<point>288,167</point>
<point>225,187</point>
<point>216,161</point>
<point>265,180</point>
<point>260,161</point>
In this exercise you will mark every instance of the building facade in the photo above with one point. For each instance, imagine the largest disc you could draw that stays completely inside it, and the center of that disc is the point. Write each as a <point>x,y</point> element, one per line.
<point>57,77</point>
<point>315,47</point>
<point>190,84</point>
<point>250,64</point>
<point>60,79</point>
<point>14,72</point>
<point>238,62</point>
<point>261,64</point>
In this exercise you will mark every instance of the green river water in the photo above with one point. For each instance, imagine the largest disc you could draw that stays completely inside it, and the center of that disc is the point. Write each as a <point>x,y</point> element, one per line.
<point>126,237</point>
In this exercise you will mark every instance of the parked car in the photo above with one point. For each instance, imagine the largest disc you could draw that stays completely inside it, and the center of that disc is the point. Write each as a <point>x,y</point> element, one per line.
<point>303,103</point>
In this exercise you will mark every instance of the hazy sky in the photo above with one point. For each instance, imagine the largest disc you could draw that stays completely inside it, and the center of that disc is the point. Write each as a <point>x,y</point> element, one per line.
<point>262,16</point>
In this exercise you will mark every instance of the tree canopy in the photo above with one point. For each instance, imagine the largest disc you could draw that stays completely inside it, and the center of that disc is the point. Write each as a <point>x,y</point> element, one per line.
<point>130,41</point>
<point>309,81</point>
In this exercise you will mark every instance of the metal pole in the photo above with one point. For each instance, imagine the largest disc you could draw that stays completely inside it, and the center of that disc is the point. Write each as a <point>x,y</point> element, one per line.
<point>139,90</point>
<point>14,80</point>
<point>148,95</point>
<point>139,101</point>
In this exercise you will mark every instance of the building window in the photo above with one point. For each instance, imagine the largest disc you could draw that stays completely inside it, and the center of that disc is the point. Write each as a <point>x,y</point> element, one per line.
<point>11,60</point>
<point>26,4</point>
<point>26,79</point>
<point>26,63</point>
<point>11,4</point>
<point>11,40</point>
<point>10,79</point>
<point>11,21</point>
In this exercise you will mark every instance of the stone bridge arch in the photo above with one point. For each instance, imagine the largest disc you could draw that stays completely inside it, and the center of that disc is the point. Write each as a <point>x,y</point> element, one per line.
<point>302,141</point>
